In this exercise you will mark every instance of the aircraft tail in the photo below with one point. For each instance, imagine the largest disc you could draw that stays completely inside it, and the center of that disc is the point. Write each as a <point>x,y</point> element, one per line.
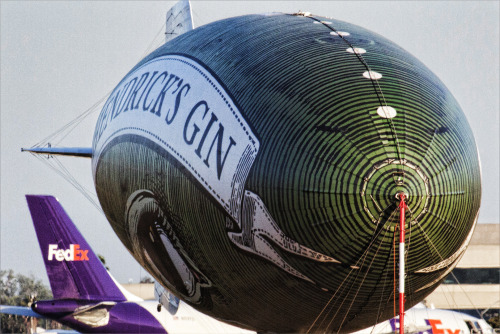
<point>74,271</point>
<point>179,20</point>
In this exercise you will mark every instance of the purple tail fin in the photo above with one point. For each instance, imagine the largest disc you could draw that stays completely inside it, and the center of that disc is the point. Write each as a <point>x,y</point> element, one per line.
<point>74,270</point>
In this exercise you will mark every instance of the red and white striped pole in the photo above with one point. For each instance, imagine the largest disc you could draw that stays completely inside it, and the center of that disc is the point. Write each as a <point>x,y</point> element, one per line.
<point>402,207</point>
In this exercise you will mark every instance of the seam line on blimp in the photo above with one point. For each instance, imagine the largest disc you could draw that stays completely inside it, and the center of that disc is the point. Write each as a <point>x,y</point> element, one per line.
<point>209,81</point>
<point>375,83</point>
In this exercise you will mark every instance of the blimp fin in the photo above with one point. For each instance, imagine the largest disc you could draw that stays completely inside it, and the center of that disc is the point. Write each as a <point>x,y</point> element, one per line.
<point>179,20</point>
<point>83,152</point>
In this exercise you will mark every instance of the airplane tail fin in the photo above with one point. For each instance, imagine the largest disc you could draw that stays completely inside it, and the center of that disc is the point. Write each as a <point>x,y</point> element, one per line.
<point>74,270</point>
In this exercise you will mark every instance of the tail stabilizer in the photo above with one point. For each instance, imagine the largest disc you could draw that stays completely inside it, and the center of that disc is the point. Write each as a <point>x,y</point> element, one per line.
<point>73,268</point>
<point>179,20</point>
<point>83,152</point>
<point>19,310</point>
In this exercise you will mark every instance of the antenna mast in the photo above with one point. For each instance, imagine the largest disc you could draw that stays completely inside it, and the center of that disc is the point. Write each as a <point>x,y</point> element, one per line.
<point>402,208</point>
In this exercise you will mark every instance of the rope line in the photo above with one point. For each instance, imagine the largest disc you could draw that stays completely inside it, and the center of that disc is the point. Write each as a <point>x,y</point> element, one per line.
<point>353,280</point>
<point>364,278</point>
<point>71,125</point>
<point>442,259</point>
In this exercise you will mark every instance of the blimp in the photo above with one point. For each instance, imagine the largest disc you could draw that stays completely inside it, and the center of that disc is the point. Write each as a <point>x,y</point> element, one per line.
<point>262,168</point>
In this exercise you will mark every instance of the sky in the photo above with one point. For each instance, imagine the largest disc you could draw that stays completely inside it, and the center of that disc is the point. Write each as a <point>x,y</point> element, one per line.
<point>58,58</point>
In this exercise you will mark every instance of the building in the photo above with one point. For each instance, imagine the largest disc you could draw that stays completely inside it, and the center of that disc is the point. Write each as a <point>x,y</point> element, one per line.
<point>478,275</point>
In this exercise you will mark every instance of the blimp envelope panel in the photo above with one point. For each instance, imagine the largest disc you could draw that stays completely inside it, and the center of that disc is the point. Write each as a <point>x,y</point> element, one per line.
<point>253,165</point>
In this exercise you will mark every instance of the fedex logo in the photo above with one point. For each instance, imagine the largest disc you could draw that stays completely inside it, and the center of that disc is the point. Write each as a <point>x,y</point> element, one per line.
<point>74,253</point>
<point>434,324</point>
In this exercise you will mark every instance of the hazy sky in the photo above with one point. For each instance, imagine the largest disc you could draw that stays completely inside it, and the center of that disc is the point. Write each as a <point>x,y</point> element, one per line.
<point>59,58</point>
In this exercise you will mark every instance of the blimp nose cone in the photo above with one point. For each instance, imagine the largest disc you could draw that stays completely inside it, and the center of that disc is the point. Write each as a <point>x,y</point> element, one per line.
<point>384,184</point>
